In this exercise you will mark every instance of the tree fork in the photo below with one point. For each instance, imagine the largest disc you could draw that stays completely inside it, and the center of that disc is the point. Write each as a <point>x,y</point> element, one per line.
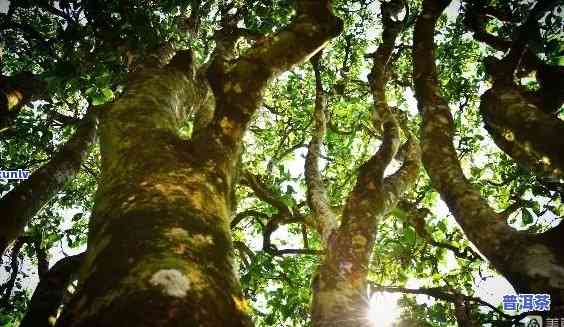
<point>339,285</point>
<point>173,266</point>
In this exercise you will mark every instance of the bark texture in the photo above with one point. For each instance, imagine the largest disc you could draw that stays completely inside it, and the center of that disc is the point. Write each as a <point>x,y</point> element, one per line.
<point>21,204</point>
<point>173,264</point>
<point>521,122</point>
<point>530,136</point>
<point>340,295</point>
<point>159,248</point>
<point>531,263</point>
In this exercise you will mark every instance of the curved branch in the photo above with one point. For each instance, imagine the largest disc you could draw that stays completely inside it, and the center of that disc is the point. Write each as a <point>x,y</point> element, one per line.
<point>263,192</point>
<point>482,225</point>
<point>324,218</point>
<point>238,85</point>
<point>249,213</point>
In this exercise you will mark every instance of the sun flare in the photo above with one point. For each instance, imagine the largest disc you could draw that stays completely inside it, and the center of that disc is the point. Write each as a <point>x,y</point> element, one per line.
<point>383,309</point>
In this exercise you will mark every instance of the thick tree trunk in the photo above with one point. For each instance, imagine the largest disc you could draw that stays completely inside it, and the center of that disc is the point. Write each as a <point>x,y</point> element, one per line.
<point>340,295</point>
<point>23,202</point>
<point>159,247</point>
<point>159,250</point>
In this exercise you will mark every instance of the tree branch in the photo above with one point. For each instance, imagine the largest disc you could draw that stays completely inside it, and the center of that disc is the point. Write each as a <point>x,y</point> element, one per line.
<point>21,204</point>
<point>238,85</point>
<point>263,192</point>
<point>48,295</point>
<point>478,220</point>
<point>442,294</point>
<point>482,225</point>
<point>249,213</point>
<point>324,219</point>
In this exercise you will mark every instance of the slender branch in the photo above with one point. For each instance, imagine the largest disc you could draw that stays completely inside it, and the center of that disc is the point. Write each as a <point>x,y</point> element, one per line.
<point>325,220</point>
<point>441,294</point>
<point>257,215</point>
<point>264,193</point>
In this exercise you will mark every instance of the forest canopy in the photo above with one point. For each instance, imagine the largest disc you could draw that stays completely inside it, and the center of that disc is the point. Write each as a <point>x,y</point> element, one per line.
<point>281,162</point>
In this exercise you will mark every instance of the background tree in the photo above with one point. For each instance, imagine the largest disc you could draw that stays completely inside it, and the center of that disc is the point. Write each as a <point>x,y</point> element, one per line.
<point>173,165</point>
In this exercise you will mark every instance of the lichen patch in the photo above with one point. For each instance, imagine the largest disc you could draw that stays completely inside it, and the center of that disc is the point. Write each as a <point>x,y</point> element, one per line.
<point>201,239</point>
<point>177,233</point>
<point>226,125</point>
<point>171,282</point>
<point>241,304</point>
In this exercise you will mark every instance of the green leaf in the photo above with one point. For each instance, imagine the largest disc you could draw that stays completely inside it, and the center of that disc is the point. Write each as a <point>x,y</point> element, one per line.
<point>409,235</point>
<point>107,93</point>
<point>526,217</point>
<point>77,216</point>
<point>98,100</point>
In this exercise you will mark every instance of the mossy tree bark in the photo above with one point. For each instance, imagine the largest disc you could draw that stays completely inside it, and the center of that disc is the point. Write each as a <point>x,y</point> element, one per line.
<point>532,263</point>
<point>340,285</point>
<point>530,136</point>
<point>159,248</point>
<point>521,122</point>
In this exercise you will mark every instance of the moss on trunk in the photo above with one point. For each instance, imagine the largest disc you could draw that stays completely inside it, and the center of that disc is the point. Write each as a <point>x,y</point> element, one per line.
<point>159,251</point>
